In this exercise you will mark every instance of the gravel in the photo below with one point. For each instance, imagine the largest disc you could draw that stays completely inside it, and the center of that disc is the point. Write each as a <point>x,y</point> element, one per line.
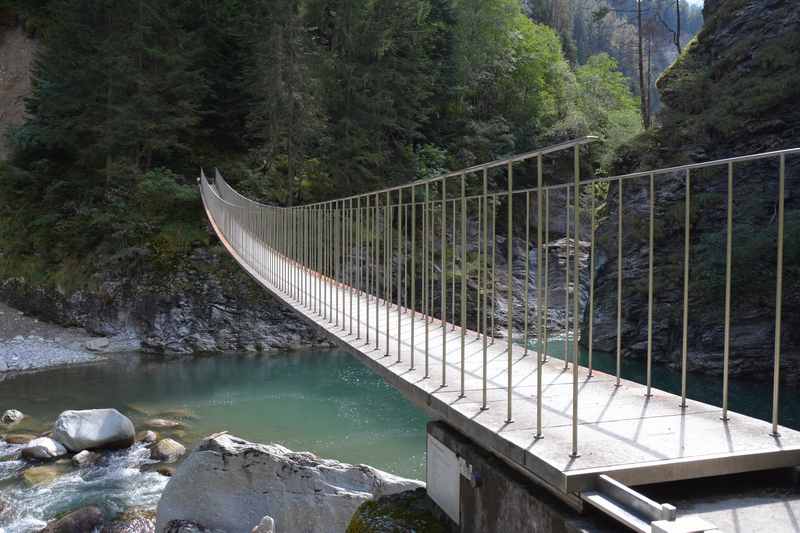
<point>28,344</point>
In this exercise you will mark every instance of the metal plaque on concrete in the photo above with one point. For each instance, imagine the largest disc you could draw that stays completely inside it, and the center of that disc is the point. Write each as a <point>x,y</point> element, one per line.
<point>444,483</point>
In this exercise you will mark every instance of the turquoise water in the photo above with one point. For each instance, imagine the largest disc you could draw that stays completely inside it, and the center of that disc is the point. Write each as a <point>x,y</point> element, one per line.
<point>321,401</point>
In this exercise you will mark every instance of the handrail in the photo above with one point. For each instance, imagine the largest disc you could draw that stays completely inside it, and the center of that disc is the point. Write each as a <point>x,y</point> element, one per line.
<point>367,242</point>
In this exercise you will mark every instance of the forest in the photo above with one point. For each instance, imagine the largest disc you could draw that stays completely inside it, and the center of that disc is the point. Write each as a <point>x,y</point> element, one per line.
<point>300,100</point>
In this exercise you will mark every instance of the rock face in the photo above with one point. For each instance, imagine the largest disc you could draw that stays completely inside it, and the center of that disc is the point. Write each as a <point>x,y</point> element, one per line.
<point>230,484</point>
<point>727,95</point>
<point>204,303</point>
<point>43,448</point>
<point>94,428</point>
<point>81,520</point>
<point>12,416</point>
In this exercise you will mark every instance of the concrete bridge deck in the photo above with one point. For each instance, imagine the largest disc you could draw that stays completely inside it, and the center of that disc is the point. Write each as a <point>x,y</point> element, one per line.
<point>635,439</point>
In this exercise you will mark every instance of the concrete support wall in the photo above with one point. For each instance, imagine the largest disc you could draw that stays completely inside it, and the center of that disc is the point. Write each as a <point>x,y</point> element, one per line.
<point>493,497</point>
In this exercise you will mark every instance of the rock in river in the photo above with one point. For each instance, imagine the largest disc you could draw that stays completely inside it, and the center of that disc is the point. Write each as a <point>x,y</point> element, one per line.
<point>167,450</point>
<point>94,428</point>
<point>43,448</point>
<point>230,484</point>
<point>79,521</point>
<point>85,458</point>
<point>10,417</point>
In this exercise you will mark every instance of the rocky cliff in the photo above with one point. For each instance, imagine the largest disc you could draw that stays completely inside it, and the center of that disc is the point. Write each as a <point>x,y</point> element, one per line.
<point>206,303</point>
<point>734,91</point>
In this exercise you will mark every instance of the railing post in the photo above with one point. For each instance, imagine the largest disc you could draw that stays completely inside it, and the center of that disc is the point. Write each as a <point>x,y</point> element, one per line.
<point>650,289</point>
<point>389,265</point>
<point>359,266</point>
<point>546,272</point>
<point>619,283</point>
<point>400,253</point>
<point>527,268</point>
<point>576,305</point>
<point>776,372</point>
<point>539,301</point>
<point>566,282</point>
<point>728,261</point>
<point>413,268</point>
<point>368,263</point>
<point>510,287</point>
<point>686,244</point>
<point>426,275</point>
<point>464,274</point>
<point>485,201</point>
<point>443,246</point>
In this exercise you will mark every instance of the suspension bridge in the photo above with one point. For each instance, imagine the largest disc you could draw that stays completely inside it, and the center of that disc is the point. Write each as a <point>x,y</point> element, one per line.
<point>420,282</point>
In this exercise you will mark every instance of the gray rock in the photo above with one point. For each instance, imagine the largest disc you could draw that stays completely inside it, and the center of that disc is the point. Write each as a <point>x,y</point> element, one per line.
<point>167,450</point>
<point>85,458</point>
<point>43,448</point>
<point>267,525</point>
<point>230,484</point>
<point>80,521</point>
<point>12,416</point>
<point>147,437</point>
<point>133,521</point>
<point>185,526</point>
<point>93,428</point>
<point>163,423</point>
<point>97,345</point>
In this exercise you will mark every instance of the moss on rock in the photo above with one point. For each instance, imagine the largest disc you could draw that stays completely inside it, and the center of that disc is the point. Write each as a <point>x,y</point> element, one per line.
<point>406,512</point>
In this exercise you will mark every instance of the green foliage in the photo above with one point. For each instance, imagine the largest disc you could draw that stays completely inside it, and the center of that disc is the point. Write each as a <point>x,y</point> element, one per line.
<point>604,106</point>
<point>296,100</point>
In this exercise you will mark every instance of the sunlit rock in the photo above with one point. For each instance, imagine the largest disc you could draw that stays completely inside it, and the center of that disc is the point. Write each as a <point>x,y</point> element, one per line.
<point>92,429</point>
<point>43,448</point>
<point>12,416</point>
<point>230,484</point>
<point>167,450</point>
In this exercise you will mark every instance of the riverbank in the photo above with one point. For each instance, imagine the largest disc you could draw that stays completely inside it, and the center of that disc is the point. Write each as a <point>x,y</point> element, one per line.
<point>27,343</point>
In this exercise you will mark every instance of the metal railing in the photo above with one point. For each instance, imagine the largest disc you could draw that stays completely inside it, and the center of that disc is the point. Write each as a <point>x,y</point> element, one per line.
<point>395,247</point>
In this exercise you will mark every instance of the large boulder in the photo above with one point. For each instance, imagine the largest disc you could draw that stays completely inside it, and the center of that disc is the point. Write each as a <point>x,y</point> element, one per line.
<point>94,428</point>
<point>230,484</point>
<point>43,448</point>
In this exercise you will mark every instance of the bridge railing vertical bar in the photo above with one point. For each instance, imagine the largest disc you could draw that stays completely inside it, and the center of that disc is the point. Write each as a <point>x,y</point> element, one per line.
<point>686,251</point>
<point>592,234</point>
<point>776,373</point>
<point>620,208</point>
<point>400,238</point>
<point>510,288</point>
<point>453,266</point>
<point>539,297</point>
<point>443,279</point>
<point>566,279</point>
<point>484,287</point>
<point>413,346</point>
<point>576,304</point>
<point>726,349</point>
<point>546,273</point>
<point>650,246</point>
<point>527,272</point>
<point>426,275</point>
<point>464,278</point>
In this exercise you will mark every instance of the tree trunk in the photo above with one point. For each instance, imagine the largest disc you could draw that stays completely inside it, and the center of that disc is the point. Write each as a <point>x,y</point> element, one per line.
<point>678,24</point>
<point>642,87</point>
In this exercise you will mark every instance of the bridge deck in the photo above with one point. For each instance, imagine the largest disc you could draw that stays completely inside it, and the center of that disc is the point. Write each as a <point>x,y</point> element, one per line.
<point>636,439</point>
